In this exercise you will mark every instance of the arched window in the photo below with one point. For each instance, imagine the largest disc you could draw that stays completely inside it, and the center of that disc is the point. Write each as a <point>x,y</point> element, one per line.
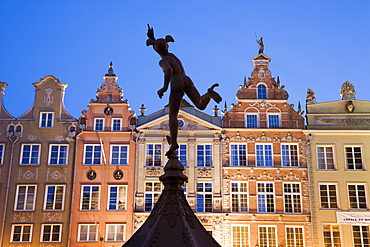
<point>261,92</point>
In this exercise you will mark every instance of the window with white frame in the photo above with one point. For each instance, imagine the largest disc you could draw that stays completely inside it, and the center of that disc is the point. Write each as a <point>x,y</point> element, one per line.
<point>152,193</point>
<point>354,158</point>
<point>289,155</point>
<point>154,154</point>
<point>119,155</point>
<point>261,92</point>
<point>204,197</point>
<point>294,236</point>
<point>51,233</point>
<point>58,154</point>
<point>46,119</point>
<point>21,233</point>
<point>361,236</point>
<point>2,149</point>
<point>264,155</point>
<point>90,195</point>
<point>328,196</point>
<point>54,197</point>
<point>325,158</point>
<point>87,233</point>
<point>115,232</point>
<point>240,236</point>
<point>98,124</point>
<point>239,196</point>
<point>30,154</point>
<point>292,198</point>
<point>117,197</point>
<point>238,154</point>
<point>357,196</point>
<point>25,198</point>
<point>267,236</point>
<point>273,120</point>
<point>92,154</point>
<point>204,155</point>
<point>181,152</point>
<point>251,120</point>
<point>331,234</point>
<point>265,195</point>
<point>116,124</point>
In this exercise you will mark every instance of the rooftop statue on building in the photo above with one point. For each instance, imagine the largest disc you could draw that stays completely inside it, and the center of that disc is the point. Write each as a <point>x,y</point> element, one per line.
<point>180,84</point>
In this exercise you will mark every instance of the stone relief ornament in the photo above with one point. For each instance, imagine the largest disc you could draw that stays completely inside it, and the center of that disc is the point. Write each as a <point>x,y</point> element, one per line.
<point>153,172</point>
<point>263,138</point>
<point>311,97</point>
<point>291,176</point>
<point>344,121</point>
<point>31,138</point>
<point>204,173</point>
<point>289,138</point>
<point>23,217</point>
<point>347,91</point>
<point>52,217</point>
<point>238,137</point>
<point>48,99</point>
<point>350,107</point>
<point>28,174</point>
<point>56,175</point>
<point>265,176</point>
<point>59,138</point>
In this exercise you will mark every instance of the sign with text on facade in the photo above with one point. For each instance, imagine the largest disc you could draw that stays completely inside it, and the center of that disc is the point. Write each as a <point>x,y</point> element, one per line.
<point>353,218</point>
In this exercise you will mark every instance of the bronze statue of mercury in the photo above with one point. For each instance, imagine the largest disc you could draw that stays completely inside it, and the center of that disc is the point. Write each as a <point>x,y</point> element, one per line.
<point>180,84</point>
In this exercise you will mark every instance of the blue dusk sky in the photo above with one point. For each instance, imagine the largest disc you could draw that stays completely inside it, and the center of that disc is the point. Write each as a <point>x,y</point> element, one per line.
<point>317,44</point>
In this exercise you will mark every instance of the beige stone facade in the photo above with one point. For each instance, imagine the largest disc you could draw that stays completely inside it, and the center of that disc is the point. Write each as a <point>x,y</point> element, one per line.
<point>339,154</point>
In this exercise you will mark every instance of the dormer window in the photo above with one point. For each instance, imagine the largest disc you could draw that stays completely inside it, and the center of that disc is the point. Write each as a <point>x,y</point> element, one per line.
<point>46,119</point>
<point>261,92</point>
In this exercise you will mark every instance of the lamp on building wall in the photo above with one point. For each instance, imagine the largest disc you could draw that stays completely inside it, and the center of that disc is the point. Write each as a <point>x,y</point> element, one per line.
<point>142,110</point>
<point>82,121</point>
<point>133,122</point>
<point>215,111</point>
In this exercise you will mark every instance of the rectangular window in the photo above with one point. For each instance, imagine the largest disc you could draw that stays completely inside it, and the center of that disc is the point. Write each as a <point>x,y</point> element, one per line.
<point>354,158</point>
<point>117,196</point>
<point>90,195</point>
<point>92,154</point>
<point>251,121</point>
<point>325,158</point>
<point>99,124</point>
<point>238,155</point>
<point>46,119</point>
<point>30,154</point>
<point>116,124</point>
<point>239,196</point>
<point>25,198</point>
<point>115,232</point>
<point>264,155</point>
<point>294,236</point>
<point>331,235</point>
<point>265,195</point>
<point>204,197</point>
<point>273,121</point>
<point>87,233</point>
<point>51,233</point>
<point>21,233</point>
<point>292,198</point>
<point>119,155</point>
<point>204,155</point>
<point>54,197</point>
<point>152,193</point>
<point>361,236</point>
<point>58,154</point>
<point>328,196</point>
<point>154,154</point>
<point>182,153</point>
<point>2,147</point>
<point>240,236</point>
<point>357,196</point>
<point>267,236</point>
<point>289,155</point>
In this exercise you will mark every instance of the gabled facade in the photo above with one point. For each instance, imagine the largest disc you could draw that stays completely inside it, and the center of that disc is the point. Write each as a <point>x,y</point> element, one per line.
<point>102,205</point>
<point>41,158</point>
<point>200,148</point>
<point>265,178</point>
<point>339,156</point>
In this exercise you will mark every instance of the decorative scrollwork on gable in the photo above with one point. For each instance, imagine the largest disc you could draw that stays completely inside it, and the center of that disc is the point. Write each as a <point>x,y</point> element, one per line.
<point>263,138</point>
